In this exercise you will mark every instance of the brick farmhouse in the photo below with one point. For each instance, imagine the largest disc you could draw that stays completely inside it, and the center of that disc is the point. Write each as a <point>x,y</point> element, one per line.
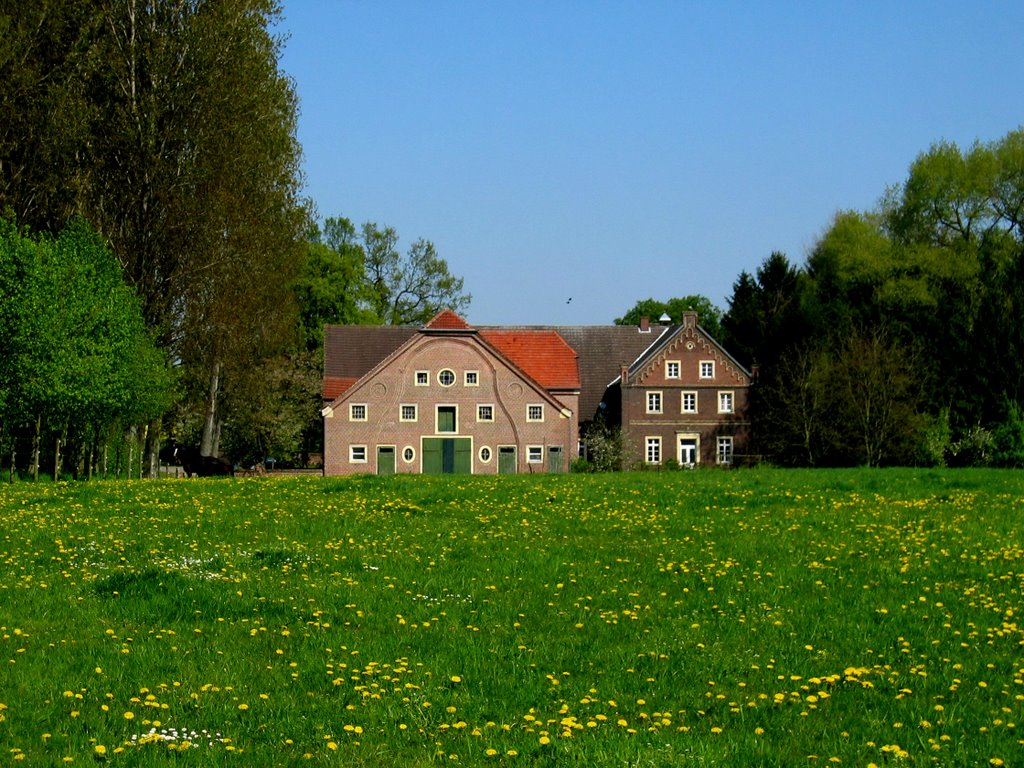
<point>453,398</point>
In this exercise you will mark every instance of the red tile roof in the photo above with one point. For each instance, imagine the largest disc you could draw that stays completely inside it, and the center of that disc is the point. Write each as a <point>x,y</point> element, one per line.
<point>542,355</point>
<point>447,320</point>
<point>335,386</point>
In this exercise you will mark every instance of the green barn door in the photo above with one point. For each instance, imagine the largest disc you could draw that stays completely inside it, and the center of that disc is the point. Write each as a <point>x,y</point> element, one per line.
<point>385,460</point>
<point>507,460</point>
<point>462,455</point>
<point>432,456</point>
<point>447,455</point>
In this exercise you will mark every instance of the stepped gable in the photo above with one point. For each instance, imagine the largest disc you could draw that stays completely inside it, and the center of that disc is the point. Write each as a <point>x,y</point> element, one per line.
<point>543,355</point>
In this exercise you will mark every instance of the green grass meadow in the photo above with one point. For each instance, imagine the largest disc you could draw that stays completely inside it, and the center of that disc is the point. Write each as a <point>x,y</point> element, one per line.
<point>758,617</point>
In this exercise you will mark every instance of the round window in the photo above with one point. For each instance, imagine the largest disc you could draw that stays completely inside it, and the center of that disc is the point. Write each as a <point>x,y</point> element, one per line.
<point>446,377</point>
<point>485,454</point>
<point>408,454</point>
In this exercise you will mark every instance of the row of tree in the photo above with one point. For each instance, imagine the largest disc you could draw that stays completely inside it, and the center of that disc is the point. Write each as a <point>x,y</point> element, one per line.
<point>75,355</point>
<point>901,339</point>
<point>169,127</point>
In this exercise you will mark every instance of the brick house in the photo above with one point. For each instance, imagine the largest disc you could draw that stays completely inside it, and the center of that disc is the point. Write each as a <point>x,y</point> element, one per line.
<point>451,398</point>
<point>685,398</point>
<point>448,398</point>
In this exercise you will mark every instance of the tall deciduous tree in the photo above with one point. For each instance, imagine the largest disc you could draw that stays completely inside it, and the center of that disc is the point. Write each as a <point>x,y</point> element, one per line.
<point>169,125</point>
<point>409,289</point>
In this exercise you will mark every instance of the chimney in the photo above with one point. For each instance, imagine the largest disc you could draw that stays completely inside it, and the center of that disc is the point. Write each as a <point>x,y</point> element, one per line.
<point>689,319</point>
<point>645,324</point>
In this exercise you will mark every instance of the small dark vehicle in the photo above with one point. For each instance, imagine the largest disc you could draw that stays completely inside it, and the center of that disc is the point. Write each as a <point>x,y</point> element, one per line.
<point>196,465</point>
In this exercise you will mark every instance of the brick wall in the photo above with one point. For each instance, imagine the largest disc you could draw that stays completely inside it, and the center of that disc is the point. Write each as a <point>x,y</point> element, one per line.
<point>386,390</point>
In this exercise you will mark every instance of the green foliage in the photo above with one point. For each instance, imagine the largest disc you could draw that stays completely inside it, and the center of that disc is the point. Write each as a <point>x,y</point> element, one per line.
<point>78,354</point>
<point>409,289</point>
<point>171,128</point>
<point>936,440</point>
<point>360,277</point>
<point>763,318</point>
<point>603,446</point>
<point>938,273</point>
<point>708,315</point>
<point>1008,438</point>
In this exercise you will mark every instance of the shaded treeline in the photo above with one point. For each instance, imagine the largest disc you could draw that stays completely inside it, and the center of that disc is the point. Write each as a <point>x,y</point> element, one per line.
<point>900,340</point>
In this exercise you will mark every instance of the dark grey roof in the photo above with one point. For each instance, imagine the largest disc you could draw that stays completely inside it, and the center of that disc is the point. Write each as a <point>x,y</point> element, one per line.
<point>351,351</point>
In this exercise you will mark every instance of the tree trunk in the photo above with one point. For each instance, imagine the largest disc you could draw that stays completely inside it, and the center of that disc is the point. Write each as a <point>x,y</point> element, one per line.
<point>153,447</point>
<point>216,438</point>
<point>35,449</point>
<point>207,446</point>
<point>56,455</point>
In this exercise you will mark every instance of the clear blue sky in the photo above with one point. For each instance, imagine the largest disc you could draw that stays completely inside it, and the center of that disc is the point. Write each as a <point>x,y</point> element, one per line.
<point>614,151</point>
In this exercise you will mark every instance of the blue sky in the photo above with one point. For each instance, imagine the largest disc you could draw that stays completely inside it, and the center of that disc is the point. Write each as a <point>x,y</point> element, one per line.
<point>613,151</point>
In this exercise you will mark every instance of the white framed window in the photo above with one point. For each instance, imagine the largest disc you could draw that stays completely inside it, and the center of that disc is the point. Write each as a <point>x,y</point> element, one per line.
<point>654,402</point>
<point>446,377</point>
<point>707,369</point>
<point>725,402</point>
<point>689,402</point>
<point>357,454</point>
<point>535,454</point>
<point>485,413</point>
<point>653,452</point>
<point>422,378</point>
<point>357,412</point>
<point>408,454</point>
<point>725,450</point>
<point>535,412</point>
<point>472,378</point>
<point>485,455</point>
<point>671,369</point>
<point>408,412</point>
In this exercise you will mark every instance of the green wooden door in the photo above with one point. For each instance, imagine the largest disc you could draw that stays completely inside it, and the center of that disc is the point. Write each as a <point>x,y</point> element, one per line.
<point>447,455</point>
<point>432,455</point>
<point>385,460</point>
<point>507,460</point>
